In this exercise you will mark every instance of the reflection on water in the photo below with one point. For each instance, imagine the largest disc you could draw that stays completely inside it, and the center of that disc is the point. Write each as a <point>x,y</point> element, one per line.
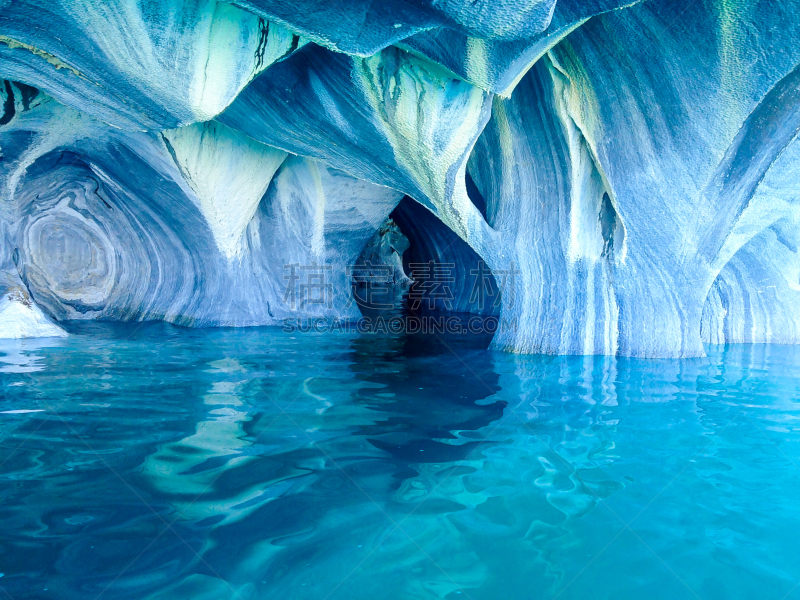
<point>223,464</point>
<point>22,356</point>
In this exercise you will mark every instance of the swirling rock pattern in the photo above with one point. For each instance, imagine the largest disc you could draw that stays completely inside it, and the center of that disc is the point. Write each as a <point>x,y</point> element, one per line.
<point>133,228</point>
<point>228,173</point>
<point>496,64</point>
<point>641,183</point>
<point>755,297</point>
<point>139,64</point>
<point>630,163</point>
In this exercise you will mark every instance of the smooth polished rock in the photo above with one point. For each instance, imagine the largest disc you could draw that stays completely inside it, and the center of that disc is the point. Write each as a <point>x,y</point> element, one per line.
<point>393,119</point>
<point>634,163</point>
<point>139,64</point>
<point>756,297</point>
<point>92,247</point>
<point>228,173</point>
<point>21,318</point>
<point>497,64</point>
<point>362,28</point>
<point>197,226</point>
<point>637,181</point>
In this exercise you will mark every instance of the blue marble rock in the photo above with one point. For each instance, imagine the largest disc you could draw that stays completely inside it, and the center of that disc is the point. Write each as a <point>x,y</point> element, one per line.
<point>381,260</point>
<point>139,64</point>
<point>642,172</point>
<point>137,226</point>
<point>363,27</point>
<point>494,63</point>
<point>624,170</point>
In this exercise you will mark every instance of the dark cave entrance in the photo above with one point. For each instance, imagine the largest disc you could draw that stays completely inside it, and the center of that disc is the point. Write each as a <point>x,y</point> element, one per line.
<point>416,265</point>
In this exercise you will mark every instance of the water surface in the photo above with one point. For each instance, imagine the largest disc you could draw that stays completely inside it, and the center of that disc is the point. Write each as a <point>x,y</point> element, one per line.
<point>151,461</point>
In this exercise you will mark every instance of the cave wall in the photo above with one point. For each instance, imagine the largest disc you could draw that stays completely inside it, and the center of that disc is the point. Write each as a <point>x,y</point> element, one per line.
<point>644,171</point>
<point>756,297</point>
<point>197,226</point>
<point>634,160</point>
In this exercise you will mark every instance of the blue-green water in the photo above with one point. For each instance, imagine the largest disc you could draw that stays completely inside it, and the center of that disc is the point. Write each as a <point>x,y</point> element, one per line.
<point>149,461</point>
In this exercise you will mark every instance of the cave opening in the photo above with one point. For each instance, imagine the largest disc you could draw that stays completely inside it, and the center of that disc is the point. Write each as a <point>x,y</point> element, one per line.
<point>415,265</point>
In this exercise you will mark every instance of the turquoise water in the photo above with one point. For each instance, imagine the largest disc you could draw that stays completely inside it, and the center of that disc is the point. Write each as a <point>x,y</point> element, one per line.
<point>150,461</point>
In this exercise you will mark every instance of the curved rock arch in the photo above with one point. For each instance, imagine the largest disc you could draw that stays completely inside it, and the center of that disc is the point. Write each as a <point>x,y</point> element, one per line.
<point>755,297</point>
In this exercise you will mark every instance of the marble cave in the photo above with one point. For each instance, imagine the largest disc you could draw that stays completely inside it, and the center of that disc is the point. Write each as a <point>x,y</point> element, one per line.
<point>199,200</point>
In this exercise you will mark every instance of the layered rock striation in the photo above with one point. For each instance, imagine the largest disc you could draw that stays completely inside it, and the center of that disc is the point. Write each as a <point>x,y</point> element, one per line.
<point>624,171</point>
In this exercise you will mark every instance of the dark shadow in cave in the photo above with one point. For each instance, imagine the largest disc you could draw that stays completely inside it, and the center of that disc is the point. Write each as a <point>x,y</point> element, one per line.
<point>449,276</point>
<point>416,266</point>
<point>476,196</point>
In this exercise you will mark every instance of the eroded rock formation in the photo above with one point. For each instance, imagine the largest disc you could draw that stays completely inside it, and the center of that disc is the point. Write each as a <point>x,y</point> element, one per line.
<point>631,165</point>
